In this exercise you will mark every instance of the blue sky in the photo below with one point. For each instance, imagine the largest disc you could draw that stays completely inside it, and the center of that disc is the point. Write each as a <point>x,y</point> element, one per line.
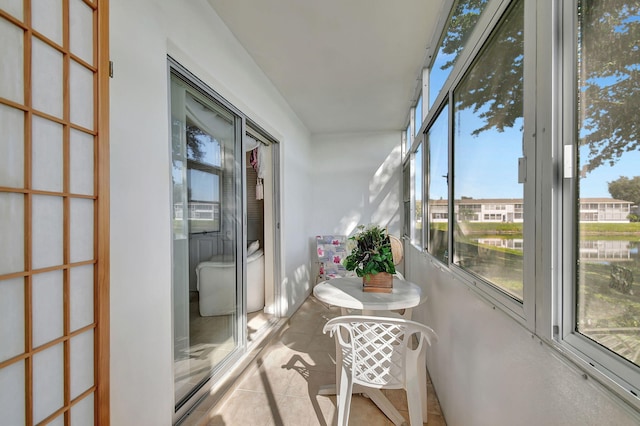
<point>595,183</point>
<point>487,164</point>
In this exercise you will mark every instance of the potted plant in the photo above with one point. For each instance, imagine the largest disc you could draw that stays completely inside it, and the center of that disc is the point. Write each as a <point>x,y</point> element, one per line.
<point>372,258</point>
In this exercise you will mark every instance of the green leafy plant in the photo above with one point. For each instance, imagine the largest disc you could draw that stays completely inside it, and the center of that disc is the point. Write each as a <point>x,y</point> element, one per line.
<point>371,253</point>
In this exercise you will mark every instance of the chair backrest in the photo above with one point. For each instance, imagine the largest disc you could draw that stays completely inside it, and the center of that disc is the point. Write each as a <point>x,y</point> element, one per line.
<point>380,348</point>
<point>397,249</point>
<point>331,251</point>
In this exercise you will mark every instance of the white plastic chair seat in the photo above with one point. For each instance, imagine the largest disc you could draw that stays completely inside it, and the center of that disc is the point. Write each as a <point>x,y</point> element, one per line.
<point>381,353</point>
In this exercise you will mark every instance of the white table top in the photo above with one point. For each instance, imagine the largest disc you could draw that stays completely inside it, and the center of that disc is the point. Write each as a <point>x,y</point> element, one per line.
<point>347,293</point>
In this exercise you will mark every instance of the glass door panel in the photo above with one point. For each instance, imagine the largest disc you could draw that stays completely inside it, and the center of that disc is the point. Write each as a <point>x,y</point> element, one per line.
<point>206,219</point>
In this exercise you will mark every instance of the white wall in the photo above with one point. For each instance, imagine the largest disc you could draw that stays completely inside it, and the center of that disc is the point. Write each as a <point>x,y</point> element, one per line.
<point>356,180</point>
<point>489,370</point>
<point>142,33</point>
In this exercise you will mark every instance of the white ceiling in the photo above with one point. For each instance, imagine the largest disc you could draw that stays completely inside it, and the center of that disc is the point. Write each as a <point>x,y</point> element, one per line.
<point>343,65</point>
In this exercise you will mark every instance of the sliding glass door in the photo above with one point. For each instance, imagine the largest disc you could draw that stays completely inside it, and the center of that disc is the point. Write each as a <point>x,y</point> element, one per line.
<point>206,166</point>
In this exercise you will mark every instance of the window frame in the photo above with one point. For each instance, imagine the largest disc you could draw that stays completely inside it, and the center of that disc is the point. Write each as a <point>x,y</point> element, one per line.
<point>548,204</point>
<point>417,240</point>
<point>602,364</point>
<point>418,113</point>
<point>214,171</point>
<point>180,73</point>
<point>434,115</point>
<point>406,200</point>
<point>489,21</point>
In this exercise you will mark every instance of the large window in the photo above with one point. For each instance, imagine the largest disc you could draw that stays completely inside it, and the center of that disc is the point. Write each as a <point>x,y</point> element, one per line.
<point>464,16</point>
<point>488,122</point>
<point>606,248</point>
<point>438,186</point>
<point>416,219</point>
<point>418,115</point>
<point>406,200</point>
<point>532,177</point>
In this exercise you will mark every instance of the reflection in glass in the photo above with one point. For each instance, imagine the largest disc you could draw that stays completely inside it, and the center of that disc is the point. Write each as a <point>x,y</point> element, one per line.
<point>418,115</point>
<point>464,16</point>
<point>204,201</point>
<point>406,199</point>
<point>608,303</point>
<point>438,190</point>
<point>204,176</point>
<point>488,120</point>
<point>407,139</point>
<point>416,223</point>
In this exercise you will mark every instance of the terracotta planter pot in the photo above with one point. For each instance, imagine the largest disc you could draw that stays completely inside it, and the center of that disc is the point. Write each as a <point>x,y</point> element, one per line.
<point>381,282</point>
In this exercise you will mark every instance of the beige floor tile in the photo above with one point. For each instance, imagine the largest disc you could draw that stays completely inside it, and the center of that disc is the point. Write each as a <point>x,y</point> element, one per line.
<point>435,419</point>
<point>281,385</point>
<point>365,412</point>
<point>307,411</point>
<point>248,408</point>
<point>308,382</point>
<point>274,380</point>
<point>296,340</point>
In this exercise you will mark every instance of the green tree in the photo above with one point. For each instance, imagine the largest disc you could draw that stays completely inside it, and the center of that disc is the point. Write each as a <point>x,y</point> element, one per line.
<point>195,146</point>
<point>626,189</point>
<point>609,77</point>
<point>464,16</point>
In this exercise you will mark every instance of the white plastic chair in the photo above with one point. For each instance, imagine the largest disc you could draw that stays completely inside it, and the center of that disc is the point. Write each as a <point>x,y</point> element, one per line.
<point>381,353</point>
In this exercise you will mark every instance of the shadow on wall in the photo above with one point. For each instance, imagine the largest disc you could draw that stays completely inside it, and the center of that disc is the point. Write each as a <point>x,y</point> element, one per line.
<point>298,287</point>
<point>378,201</point>
<point>381,199</point>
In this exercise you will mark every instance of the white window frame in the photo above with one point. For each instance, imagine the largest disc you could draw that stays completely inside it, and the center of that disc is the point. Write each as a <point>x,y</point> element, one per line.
<point>419,243</point>
<point>433,115</point>
<point>598,363</point>
<point>549,198</point>
<point>523,312</point>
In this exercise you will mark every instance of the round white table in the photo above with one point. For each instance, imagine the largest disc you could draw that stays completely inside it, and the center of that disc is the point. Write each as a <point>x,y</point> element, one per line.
<point>347,293</point>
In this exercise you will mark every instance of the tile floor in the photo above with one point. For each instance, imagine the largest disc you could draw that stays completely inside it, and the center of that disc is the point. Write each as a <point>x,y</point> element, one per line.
<point>280,386</point>
<point>211,339</point>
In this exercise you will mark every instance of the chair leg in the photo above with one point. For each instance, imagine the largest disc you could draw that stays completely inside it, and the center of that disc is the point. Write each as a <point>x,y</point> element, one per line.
<point>422,384</point>
<point>414,396</point>
<point>343,397</point>
<point>416,387</point>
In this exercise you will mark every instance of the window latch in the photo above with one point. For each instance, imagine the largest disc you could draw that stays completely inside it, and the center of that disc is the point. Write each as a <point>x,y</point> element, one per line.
<point>568,161</point>
<point>522,170</point>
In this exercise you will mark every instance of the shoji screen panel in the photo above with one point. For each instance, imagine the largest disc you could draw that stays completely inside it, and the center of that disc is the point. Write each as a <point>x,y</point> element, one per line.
<point>54,212</point>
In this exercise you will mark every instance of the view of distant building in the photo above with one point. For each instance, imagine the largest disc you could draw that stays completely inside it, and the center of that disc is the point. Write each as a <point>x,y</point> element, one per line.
<point>509,210</point>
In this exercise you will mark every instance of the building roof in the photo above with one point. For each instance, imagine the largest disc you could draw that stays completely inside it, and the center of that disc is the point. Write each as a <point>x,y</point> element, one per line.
<point>519,201</point>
